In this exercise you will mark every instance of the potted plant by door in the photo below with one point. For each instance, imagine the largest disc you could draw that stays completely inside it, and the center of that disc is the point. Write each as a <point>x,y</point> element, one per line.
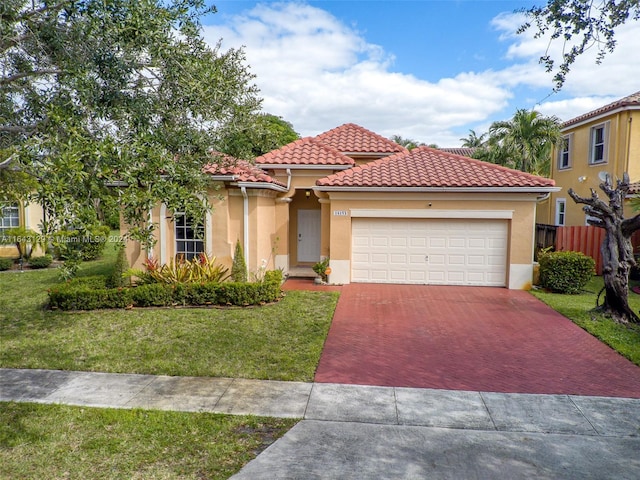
<point>322,269</point>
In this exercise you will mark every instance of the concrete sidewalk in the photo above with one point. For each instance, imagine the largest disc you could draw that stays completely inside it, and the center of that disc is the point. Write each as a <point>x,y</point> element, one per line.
<point>353,432</point>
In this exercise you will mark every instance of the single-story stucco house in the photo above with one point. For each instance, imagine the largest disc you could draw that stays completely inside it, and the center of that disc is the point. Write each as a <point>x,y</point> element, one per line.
<point>380,213</point>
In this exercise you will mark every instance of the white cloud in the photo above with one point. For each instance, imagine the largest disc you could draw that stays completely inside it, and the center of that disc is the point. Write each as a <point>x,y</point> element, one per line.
<point>317,73</point>
<point>616,76</point>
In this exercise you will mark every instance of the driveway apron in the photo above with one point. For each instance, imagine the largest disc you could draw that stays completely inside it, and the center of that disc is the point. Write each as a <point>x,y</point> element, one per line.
<point>467,338</point>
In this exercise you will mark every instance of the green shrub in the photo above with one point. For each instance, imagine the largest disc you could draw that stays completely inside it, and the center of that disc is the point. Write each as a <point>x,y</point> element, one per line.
<point>85,245</point>
<point>40,262</point>
<point>275,276</point>
<point>565,272</point>
<point>90,293</point>
<point>5,264</point>
<point>199,269</point>
<point>239,267</point>
<point>121,266</point>
<point>24,239</point>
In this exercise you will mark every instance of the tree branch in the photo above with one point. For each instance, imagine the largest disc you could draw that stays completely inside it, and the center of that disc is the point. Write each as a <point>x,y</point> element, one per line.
<point>5,163</point>
<point>35,73</point>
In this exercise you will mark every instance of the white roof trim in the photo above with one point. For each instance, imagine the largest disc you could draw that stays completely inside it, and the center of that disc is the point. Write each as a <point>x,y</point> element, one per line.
<point>263,185</point>
<point>427,213</point>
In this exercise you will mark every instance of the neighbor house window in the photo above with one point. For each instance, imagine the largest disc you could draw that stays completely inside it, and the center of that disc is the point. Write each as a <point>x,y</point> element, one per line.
<point>598,145</point>
<point>561,206</point>
<point>189,239</point>
<point>564,153</point>
<point>9,217</point>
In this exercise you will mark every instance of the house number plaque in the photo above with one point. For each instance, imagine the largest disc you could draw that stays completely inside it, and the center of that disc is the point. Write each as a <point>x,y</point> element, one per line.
<point>340,213</point>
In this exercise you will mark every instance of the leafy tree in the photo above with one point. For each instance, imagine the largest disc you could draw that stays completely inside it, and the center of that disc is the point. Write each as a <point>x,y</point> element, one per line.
<point>266,133</point>
<point>524,142</point>
<point>104,93</point>
<point>473,140</point>
<point>617,252</point>
<point>579,25</point>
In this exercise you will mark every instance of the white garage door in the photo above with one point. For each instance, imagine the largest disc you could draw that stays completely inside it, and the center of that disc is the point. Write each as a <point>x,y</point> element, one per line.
<point>429,251</point>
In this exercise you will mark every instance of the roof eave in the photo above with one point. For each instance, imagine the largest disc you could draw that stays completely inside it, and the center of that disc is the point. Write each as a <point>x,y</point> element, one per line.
<point>262,185</point>
<point>568,125</point>
<point>295,166</point>
<point>438,189</point>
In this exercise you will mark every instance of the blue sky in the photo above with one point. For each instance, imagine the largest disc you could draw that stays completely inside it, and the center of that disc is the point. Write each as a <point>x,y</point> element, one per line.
<point>425,70</point>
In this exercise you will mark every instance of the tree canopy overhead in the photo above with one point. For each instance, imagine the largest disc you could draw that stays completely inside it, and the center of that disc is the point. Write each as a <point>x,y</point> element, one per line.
<point>114,92</point>
<point>579,25</point>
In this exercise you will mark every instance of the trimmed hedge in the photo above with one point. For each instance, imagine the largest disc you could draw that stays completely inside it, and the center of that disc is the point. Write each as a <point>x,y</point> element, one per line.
<point>5,263</point>
<point>90,293</point>
<point>40,262</point>
<point>565,272</point>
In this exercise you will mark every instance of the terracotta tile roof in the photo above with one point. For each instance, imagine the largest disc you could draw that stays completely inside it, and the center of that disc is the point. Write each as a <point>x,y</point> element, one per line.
<point>632,100</point>
<point>352,138</point>
<point>305,151</point>
<point>429,167</point>
<point>241,170</point>
<point>464,151</point>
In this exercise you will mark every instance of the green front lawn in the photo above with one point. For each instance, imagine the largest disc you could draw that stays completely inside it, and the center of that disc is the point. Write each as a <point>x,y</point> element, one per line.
<point>55,441</point>
<point>282,341</point>
<point>625,339</point>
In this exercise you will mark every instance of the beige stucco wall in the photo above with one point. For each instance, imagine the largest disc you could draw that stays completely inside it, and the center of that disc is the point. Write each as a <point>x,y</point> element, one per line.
<point>520,207</point>
<point>224,226</point>
<point>623,156</point>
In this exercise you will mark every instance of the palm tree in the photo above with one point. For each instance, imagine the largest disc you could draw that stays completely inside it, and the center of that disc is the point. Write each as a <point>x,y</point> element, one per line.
<point>525,142</point>
<point>473,140</point>
<point>407,143</point>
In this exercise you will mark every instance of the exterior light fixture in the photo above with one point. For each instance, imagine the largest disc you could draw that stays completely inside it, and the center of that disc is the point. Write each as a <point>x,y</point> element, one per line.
<point>582,178</point>
<point>307,193</point>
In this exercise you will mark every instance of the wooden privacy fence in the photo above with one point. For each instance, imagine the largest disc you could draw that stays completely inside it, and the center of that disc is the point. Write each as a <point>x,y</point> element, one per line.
<point>585,239</point>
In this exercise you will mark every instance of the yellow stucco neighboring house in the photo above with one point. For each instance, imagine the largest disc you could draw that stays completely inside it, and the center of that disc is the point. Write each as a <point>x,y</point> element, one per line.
<point>380,213</point>
<point>603,141</point>
<point>18,214</point>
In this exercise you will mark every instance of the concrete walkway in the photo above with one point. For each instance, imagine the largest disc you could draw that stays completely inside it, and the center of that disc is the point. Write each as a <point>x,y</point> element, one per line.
<point>354,432</point>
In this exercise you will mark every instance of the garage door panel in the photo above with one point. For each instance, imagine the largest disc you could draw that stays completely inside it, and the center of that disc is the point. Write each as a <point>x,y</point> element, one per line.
<point>431,251</point>
<point>398,259</point>
<point>456,260</point>
<point>435,260</point>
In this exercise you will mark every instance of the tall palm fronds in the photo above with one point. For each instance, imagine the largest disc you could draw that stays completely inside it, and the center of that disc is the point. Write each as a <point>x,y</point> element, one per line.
<point>525,142</point>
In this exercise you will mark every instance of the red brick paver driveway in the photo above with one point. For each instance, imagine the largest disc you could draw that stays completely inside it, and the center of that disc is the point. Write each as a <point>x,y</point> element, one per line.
<point>467,338</point>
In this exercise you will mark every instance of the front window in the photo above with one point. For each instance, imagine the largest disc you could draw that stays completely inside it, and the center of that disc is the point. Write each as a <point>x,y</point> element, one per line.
<point>189,239</point>
<point>9,218</point>
<point>598,147</point>
<point>561,205</point>
<point>564,154</point>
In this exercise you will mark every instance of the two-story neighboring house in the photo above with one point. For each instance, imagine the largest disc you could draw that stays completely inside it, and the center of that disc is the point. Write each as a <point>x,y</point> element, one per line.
<point>603,141</point>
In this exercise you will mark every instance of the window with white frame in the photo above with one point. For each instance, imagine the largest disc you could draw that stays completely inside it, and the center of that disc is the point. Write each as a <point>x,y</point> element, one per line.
<point>189,238</point>
<point>598,143</point>
<point>564,152</point>
<point>561,211</point>
<point>9,217</point>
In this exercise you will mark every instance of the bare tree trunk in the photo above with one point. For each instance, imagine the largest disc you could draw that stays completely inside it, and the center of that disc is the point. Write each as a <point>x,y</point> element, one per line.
<point>617,252</point>
<point>617,262</point>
